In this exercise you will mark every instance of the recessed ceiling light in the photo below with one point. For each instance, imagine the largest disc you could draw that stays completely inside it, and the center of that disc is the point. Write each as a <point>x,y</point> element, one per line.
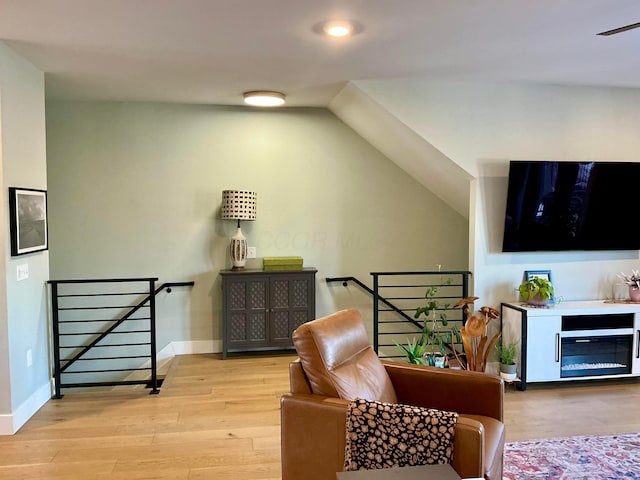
<point>264,98</point>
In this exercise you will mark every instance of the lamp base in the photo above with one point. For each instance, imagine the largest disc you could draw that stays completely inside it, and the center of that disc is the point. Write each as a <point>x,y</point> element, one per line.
<point>238,250</point>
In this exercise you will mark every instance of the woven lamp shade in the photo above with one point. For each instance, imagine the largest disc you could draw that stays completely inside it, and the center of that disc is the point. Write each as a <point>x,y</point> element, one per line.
<point>239,205</point>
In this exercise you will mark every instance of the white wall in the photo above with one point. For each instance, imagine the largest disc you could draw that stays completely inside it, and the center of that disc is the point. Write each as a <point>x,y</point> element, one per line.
<point>23,319</point>
<point>404,147</point>
<point>135,189</point>
<point>483,126</point>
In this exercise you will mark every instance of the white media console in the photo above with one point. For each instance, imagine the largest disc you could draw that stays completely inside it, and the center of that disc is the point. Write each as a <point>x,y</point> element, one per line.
<point>574,340</point>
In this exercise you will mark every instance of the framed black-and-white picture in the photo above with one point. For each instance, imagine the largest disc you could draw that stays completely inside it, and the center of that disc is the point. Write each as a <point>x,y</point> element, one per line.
<point>28,220</point>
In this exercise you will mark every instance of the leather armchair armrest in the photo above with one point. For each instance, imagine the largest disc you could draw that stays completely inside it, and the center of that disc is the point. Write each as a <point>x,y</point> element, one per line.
<point>313,436</point>
<point>468,448</point>
<point>474,393</point>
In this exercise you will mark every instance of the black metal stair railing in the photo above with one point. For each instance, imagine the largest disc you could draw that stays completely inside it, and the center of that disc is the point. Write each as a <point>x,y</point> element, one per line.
<point>397,295</point>
<point>345,281</point>
<point>122,312</point>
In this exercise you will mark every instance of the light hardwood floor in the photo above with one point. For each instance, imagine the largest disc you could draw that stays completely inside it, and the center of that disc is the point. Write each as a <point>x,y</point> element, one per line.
<point>219,419</point>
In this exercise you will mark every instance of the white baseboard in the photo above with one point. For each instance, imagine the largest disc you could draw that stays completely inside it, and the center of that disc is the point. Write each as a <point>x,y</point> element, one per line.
<point>165,355</point>
<point>194,347</point>
<point>10,424</point>
<point>6,425</point>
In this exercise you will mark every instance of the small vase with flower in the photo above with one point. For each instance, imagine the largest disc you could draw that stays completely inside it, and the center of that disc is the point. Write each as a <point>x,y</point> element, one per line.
<point>633,281</point>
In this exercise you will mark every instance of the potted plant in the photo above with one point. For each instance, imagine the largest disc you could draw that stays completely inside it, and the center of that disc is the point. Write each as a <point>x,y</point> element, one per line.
<point>536,291</point>
<point>414,350</point>
<point>633,281</point>
<point>507,352</point>
<point>440,342</point>
<point>436,341</point>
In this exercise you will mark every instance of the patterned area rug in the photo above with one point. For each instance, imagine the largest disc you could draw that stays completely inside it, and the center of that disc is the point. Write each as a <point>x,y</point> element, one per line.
<point>592,457</point>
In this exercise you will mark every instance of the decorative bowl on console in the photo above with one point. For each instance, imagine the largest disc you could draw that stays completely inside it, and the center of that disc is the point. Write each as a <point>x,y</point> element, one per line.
<point>536,291</point>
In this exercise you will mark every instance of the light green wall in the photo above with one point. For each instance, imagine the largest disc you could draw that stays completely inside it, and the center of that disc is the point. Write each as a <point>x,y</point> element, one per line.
<point>23,320</point>
<point>135,189</point>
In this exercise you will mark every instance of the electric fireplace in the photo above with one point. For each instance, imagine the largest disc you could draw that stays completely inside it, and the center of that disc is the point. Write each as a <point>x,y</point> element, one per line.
<point>575,340</point>
<point>596,345</point>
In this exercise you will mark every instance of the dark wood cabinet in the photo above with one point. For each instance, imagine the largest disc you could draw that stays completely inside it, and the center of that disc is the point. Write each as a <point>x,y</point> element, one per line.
<point>260,309</point>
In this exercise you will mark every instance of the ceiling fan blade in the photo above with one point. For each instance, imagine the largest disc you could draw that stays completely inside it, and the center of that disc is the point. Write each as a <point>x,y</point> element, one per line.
<point>620,30</point>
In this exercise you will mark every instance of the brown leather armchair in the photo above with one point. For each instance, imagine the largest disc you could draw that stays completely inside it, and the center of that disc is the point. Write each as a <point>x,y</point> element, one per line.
<point>337,364</point>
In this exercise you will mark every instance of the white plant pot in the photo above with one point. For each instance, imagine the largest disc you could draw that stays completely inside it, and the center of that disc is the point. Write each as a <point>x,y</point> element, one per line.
<point>508,372</point>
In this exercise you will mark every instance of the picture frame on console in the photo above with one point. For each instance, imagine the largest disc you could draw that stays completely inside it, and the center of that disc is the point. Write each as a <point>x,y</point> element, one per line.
<point>529,274</point>
<point>543,275</point>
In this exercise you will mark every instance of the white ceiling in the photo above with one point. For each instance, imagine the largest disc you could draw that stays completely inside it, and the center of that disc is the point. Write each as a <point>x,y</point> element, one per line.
<point>210,51</point>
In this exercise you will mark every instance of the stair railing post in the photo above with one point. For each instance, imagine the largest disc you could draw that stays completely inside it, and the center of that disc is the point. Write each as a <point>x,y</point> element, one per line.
<point>152,320</point>
<point>465,293</point>
<point>56,340</point>
<point>375,312</point>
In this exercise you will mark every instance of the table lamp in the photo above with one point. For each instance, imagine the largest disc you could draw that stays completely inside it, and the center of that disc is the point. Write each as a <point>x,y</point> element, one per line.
<point>238,205</point>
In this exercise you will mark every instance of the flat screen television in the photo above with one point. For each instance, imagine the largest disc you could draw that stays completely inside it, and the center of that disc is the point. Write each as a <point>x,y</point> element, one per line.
<point>558,206</point>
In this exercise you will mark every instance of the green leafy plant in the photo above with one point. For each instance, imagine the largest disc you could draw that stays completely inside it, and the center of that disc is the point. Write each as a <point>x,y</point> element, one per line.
<point>507,352</point>
<point>536,287</point>
<point>414,350</point>
<point>433,339</point>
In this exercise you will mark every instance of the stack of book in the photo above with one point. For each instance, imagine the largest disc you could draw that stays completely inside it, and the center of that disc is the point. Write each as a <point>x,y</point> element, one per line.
<point>282,263</point>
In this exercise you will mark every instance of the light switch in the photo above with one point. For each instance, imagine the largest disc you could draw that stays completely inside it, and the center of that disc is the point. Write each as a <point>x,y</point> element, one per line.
<point>23,271</point>
<point>251,252</point>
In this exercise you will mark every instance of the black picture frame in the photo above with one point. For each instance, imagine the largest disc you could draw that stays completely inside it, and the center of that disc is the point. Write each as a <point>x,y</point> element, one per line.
<point>28,222</point>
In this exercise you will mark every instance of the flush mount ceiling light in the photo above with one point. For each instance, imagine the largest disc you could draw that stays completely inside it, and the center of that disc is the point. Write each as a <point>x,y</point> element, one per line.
<point>263,98</point>
<point>338,28</point>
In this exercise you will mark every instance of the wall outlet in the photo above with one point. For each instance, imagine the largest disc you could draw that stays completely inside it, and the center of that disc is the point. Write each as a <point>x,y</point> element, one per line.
<point>23,271</point>
<point>251,252</point>
<point>29,358</point>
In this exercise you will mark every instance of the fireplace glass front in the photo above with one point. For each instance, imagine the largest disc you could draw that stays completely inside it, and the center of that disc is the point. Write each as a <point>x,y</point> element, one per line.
<point>596,355</point>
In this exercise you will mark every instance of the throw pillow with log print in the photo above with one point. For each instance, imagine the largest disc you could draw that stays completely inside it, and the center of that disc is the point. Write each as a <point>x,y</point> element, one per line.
<point>386,435</point>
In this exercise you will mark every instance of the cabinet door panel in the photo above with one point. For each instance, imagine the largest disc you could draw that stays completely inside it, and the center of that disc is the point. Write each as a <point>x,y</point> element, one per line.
<point>290,299</point>
<point>245,328</point>
<point>280,326</point>
<point>237,327</point>
<point>543,349</point>
<point>299,317</point>
<point>279,293</point>
<point>257,297</point>
<point>299,292</point>
<point>258,327</point>
<point>246,301</point>
<point>237,296</point>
